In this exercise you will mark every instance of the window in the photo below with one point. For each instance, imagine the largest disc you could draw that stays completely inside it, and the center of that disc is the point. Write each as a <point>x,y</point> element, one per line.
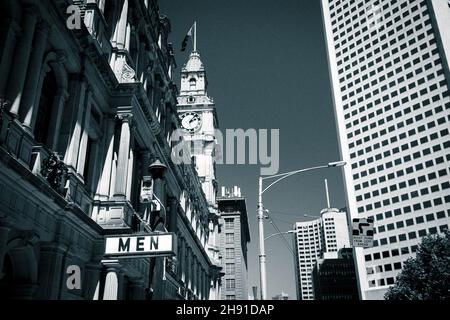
<point>192,83</point>
<point>229,268</point>
<point>229,223</point>
<point>229,253</point>
<point>230,297</point>
<point>229,238</point>
<point>230,284</point>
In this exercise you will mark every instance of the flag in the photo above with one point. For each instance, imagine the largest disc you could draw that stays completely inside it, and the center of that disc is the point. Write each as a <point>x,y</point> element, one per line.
<point>186,38</point>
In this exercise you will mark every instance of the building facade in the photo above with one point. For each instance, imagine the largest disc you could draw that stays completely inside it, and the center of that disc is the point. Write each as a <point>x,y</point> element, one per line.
<point>316,239</point>
<point>389,69</point>
<point>87,111</point>
<point>335,278</point>
<point>234,239</point>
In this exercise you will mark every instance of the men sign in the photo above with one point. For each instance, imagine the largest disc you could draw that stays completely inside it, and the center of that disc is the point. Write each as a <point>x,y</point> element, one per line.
<point>157,244</point>
<point>362,232</point>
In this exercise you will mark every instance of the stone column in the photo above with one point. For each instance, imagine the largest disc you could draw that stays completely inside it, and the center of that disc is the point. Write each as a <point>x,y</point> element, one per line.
<point>199,280</point>
<point>101,5</point>
<point>111,288</point>
<point>29,104</point>
<point>128,37</point>
<point>51,265</point>
<point>71,122</point>
<point>91,279</point>
<point>9,42</point>
<point>59,103</point>
<point>84,134</point>
<point>188,267</point>
<point>194,275</point>
<point>130,173</point>
<point>122,160</point>
<point>103,189</point>
<point>211,289</point>
<point>21,59</point>
<point>122,26</point>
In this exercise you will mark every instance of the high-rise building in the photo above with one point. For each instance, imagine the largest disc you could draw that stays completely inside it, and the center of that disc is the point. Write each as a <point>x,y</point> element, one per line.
<point>308,244</point>
<point>390,78</point>
<point>315,239</point>
<point>335,231</point>
<point>335,278</point>
<point>234,239</point>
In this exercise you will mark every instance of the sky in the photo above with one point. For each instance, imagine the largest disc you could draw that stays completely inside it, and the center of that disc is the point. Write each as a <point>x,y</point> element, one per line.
<point>267,69</point>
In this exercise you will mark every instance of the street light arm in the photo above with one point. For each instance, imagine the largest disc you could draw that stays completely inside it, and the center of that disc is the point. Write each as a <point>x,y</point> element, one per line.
<point>278,233</point>
<point>288,174</point>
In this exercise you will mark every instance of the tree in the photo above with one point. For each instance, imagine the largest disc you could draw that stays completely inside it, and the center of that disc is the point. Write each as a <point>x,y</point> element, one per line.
<point>427,276</point>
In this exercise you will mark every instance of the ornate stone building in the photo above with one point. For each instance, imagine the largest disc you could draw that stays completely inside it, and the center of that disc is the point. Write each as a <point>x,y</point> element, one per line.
<point>85,112</point>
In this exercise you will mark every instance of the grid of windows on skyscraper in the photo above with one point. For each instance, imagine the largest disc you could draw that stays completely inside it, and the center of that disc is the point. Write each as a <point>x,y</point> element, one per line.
<point>394,118</point>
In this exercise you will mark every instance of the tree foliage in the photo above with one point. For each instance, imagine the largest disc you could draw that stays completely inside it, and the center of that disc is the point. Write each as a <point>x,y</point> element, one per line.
<point>427,276</point>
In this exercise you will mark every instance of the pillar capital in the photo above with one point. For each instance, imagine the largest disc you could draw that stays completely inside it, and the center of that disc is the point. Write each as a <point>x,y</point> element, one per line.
<point>125,117</point>
<point>111,265</point>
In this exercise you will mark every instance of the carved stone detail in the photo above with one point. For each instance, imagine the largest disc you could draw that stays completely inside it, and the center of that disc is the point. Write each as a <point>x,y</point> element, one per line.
<point>128,74</point>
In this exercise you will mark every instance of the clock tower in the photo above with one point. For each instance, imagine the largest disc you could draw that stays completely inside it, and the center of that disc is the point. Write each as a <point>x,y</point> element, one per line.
<point>198,119</point>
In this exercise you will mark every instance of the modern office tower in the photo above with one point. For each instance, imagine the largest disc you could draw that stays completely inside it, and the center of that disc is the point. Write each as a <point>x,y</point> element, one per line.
<point>390,82</point>
<point>335,278</point>
<point>234,238</point>
<point>308,244</point>
<point>316,239</point>
<point>335,232</point>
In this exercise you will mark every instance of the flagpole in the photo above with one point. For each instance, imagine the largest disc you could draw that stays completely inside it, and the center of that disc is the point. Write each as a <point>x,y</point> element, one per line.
<point>195,36</point>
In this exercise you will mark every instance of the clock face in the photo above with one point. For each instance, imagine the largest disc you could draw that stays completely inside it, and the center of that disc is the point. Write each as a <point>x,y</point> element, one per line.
<point>191,121</point>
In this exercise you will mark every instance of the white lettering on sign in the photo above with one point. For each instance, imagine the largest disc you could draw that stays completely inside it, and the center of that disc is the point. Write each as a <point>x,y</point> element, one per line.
<point>140,245</point>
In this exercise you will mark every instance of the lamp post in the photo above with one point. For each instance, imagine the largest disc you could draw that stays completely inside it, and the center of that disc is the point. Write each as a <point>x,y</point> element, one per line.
<point>260,208</point>
<point>157,223</point>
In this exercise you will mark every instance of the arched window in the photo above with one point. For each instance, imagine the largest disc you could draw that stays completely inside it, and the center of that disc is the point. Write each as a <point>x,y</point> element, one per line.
<point>192,83</point>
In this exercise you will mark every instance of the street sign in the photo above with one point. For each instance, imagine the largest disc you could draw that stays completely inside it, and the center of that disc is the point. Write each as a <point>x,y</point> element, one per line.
<point>151,245</point>
<point>362,232</point>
